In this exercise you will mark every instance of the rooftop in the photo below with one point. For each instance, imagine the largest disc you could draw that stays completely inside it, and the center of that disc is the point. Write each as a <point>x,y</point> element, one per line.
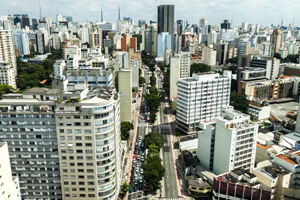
<point>197,182</point>
<point>241,171</point>
<point>188,137</point>
<point>263,146</point>
<point>287,159</point>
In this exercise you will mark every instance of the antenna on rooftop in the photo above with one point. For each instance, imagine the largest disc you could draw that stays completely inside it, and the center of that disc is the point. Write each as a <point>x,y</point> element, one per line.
<point>40,10</point>
<point>101,15</point>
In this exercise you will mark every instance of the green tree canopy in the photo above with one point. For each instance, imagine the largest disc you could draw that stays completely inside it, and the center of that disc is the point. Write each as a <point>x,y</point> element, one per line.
<point>125,187</point>
<point>232,60</point>
<point>153,150</point>
<point>153,80</point>
<point>233,68</point>
<point>142,80</point>
<point>5,89</point>
<point>199,67</point>
<point>125,128</point>
<point>153,171</point>
<point>154,138</point>
<point>87,44</point>
<point>239,101</point>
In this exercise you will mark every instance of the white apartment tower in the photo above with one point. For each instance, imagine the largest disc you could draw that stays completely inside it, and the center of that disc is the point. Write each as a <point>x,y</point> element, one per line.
<point>227,143</point>
<point>7,75</point>
<point>179,68</point>
<point>21,41</point>
<point>89,145</point>
<point>8,188</point>
<point>200,98</point>
<point>202,22</point>
<point>7,51</point>
<point>209,56</point>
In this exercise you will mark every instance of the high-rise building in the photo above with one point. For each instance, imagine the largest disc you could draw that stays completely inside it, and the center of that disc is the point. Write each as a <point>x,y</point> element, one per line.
<point>165,20</point>
<point>21,41</point>
<point>56,36</point>
<point>245,26</point>
<point>200,98</point>
<point>228,142</point>
<point>150,40</point>
<point>7,52</point>
<point>179,68</point>
<point>225,24</point>
<point>163,42</point>
<point>141,22</point>
<point>40,42</point>
<point>88,137</point>
<point>222,52</point>
<point>209,56</point>
<point>8,188</point>
<point>276,39</point>
<point>125,91</point>
<point>68,18</point>
<point>202,22</point>
<point>7,72</point>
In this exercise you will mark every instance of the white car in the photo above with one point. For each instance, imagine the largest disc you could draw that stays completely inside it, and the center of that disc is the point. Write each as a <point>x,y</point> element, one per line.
<point>137,169</point>
<point>135,176</point>
<point>133,160</point>
<point>141,171</point>
<point>140,137</point>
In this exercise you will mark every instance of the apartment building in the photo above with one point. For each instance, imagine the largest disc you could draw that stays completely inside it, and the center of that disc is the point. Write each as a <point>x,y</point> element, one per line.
<point>179,68</point>
<point>200,98</point>
<point>227,143</point>
<point>124,84</point>
<point>7,75</point>
<point>8,190</point>
<point>89,145</point>
<point>209,56</point>
<point>259,110</point>
<point>7,50</point>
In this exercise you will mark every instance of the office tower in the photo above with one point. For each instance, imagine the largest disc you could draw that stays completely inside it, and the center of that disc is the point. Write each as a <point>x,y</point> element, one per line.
<point>125,91</point>
<point>21,41</point>
<point>25,22</point>
<point>222,51</point>
<point>28,127</point>
<point>165,20</point>
<point>150,40</point>
<point>124,43</point>
<point>195,29</point>
<point>276,39</point>
<point>179,68</point>
<point>7,52</point>
<point>56,36</point>
<point>89,146</point>
<point>225,24</point>
<point>123,58</point>
<point>163,42</point>
<point>68,18</point>
<point>209,56</point>
<point>133,43</point>
<point>17,20</point>
<point>7,72</point>
<point>212,93</point>
<point>271,65</point>
<point>34,23</point>
<point>228,143</point>
<point>245,26</point>
<point>8,188</point>
<point>202,22</point>
<point>84,35</point>
<point>135,63</point>
<point>141,22</point>
<point>40,42</point>
<point>96,38</point>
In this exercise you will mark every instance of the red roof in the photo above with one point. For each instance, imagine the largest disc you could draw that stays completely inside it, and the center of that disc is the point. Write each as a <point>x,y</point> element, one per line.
<point>263,146</point>
<point>44,81</point>
<point>284,77</point>
<point>287,159</point>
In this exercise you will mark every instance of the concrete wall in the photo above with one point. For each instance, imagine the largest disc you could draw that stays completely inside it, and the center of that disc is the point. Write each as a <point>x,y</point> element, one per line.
<point>174,75</point>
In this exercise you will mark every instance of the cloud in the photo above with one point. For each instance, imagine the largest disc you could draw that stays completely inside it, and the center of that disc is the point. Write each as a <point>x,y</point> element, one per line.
<point>262,12</point>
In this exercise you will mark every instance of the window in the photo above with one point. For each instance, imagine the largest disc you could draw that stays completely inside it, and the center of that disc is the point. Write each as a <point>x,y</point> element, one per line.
<point>79,151</point>
<point>65,171</point>
<point>77,130</point>
<point>79,157</point>
<point>64,157</point>
<point>73,183</point>
<point>86,123</point>
<point>70,137</point>
<point>79,144</point>
<point>90,171</point>
<point>90,177</point>
<point>71,157</point>
<point>90,183</point>
<point>60,124</point>
<point>86,117</point>
<point>65,176</point>
<point>69,130</point>
<point>70,151</point>
<point>77,124</point>
<point>81,189</point>
<point>74,189</point>
<point>61,108</point>
<point>91,195</point>
<point>88,151</point>
<point>80,164</point>
<point>63,151</point>
<point>88,138</point>
<point>72,164</point>
<point>69,124</point>
<point>89,157</point>
<point>91,189</point>
<point>61,130</point>
<point>81,183</point>
<point>62,144</point>
<point>78,137</point>
<point>68,117</point>
<point>62,137</point>
<point>72,170</point>
<point>66,189</point>
<point>81,177</point>
<point>89,164</point>
<point>66,183</point>
<point>87,130</point>
<point>77,117</point>
<point>74,195</point>
<point>88,144</point>
<point>82,195</point>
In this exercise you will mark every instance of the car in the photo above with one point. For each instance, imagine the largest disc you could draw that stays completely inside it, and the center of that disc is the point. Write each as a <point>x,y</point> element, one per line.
<point>138,157</point>
<point>130,190</point>
<point>134,156</point>
<point>140,137</point>
<point>136,143</point>
<point>142,159</point>
<point>143,144</point>
<point>143,153</point>
<point>137,169</point>
<point>141,171</point>
<point>141,179</point>
<point>139,152</point>
<point>133,161</point>
<point>135,189</point>
<point>141,186</point>
<point>135,150</point>
<point>137,164</point>
<point>136,182</point>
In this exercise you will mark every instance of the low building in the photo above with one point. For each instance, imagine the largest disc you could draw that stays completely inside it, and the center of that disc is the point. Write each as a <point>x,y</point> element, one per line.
<point>189,142</point>
<point>188,160</point>
<point>238,184</point>
<point>273,178</point>
<point>290,140</point>
<point>198,187</point>
<point>259,110</point>
<point>7,72</point>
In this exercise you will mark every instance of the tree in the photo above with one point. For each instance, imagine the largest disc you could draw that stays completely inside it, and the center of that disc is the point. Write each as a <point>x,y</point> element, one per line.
<point>142,80</point>
<point>153,171</point>
<point>277,55</point>
<point>232,60</point>
<point>233,69</point>
<point>125,128</point>
<point>152,80</point>
<point>153,150</point>
<point>199,67</point>
<point>5,89</point>
<point>239,101</point>
<point>140,71</point>
<point>125,187</point>
<point>154,138</point>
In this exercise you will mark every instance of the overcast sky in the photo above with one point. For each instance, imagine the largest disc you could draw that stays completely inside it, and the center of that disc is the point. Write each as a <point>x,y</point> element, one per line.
<point>262,12</point>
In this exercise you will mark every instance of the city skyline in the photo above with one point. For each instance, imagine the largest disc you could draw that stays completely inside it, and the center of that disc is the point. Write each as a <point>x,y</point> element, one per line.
<point>215,12</point>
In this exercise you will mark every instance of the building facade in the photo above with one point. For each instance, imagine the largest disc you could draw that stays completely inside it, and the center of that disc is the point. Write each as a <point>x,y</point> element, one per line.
<point>163,43</point>
<point>165,20</point>
<point>7,74</point>
<point>200,98</point>
<point>7,51</point>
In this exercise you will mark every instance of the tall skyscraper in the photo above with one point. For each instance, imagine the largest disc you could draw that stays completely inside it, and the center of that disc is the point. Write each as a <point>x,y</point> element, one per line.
<point>276,39</point>
<point>245,26</point>
<point>227,143</point>
<point>202,23</point>
<point>200,98</point>
<point>7,51</point>
<point>163,42</point>
<point>225,24</point>
<point>21,41</point>
<point>165,20</point>
<point>125,90</point>
<point>179,68</point>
